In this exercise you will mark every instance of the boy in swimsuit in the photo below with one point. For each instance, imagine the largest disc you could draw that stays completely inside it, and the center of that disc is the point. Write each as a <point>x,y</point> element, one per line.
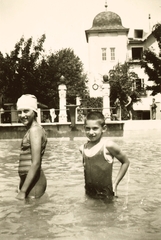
<point>32,178</point>
<point>98,155</point>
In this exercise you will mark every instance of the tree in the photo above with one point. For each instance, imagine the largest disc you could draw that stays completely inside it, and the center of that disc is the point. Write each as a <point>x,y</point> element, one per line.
<point>152,62</point>
<point>62,63</point>
<point>18,70</point>
<point>121,83</point>
<point>28,70</point>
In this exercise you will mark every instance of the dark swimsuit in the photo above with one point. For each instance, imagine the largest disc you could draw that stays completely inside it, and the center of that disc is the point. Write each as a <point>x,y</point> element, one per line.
<point>98,174</point>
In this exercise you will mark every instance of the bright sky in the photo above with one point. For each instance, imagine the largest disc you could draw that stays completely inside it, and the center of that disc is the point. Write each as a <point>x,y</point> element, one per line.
<point>64,21</point>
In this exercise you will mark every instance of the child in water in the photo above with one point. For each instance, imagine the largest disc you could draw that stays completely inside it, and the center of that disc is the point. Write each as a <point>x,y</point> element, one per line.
<point>32,178</point>
<point>98,156</point>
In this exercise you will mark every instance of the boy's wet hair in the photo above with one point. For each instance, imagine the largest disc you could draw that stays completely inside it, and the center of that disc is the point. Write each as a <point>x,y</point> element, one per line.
<point>97,116</point>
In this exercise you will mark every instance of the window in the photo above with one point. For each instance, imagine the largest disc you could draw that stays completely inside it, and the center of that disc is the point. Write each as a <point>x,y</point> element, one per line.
<point>112,54</point>
<point>138,33</point>
<point>137,53</point>
<point>104,54</point>
<point>138,84</point>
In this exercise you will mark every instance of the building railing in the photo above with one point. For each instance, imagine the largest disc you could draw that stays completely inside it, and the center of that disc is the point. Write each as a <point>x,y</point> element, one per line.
<point>52,115</point>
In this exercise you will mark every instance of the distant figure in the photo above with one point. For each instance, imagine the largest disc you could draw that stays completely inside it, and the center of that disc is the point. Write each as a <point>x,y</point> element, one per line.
<point>32,178</point>
<point>47,120</point>
<point>80,116</point>
<point>118,109</point>
<point>98,157</point>
<point>129,107</point>
<point>153,109</point>
<point>52,114</point>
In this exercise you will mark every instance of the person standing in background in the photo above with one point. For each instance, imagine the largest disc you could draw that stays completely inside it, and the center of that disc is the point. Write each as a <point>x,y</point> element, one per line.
<point>118,108</point>
<point>129,107</point>
<point>153,109</point>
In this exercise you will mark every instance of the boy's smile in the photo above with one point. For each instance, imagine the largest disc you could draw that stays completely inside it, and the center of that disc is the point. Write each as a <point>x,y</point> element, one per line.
<point>94,130</point>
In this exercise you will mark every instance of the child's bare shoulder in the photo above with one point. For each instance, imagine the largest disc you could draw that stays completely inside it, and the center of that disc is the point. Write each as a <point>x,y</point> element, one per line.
<point>112,146</point>
<point>109,143</point>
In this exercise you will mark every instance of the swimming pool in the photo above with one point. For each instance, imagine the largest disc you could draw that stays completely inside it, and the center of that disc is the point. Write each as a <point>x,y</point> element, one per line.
<point>65,213</point>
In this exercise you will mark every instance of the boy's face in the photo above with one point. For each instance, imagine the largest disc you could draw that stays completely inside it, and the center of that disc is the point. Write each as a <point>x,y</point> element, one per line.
<point>94,130</point>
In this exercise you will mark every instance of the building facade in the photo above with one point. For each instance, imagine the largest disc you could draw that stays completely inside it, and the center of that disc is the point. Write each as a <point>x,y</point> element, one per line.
<point>109,44</point>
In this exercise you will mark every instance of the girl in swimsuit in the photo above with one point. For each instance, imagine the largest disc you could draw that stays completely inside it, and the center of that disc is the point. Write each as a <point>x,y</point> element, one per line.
<point>32,178</point>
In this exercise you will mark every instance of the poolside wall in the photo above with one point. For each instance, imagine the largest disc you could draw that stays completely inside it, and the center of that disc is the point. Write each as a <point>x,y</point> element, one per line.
<point>16,131</point>
<point>114,128</point>
<point>132,125</point>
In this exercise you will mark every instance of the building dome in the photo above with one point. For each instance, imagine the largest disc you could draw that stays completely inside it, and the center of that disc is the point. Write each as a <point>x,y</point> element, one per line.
<point>107,20</point>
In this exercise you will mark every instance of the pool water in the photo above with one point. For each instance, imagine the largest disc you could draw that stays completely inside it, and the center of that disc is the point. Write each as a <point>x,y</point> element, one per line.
<point>66,213</point>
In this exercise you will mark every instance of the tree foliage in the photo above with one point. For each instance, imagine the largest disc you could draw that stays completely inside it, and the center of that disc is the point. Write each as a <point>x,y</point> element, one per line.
<point>28,70</point>
<point>63,63</point>
<point>19,69</point>
<point>152,62</point>
<point>121,81</point>
<point>121,84</point>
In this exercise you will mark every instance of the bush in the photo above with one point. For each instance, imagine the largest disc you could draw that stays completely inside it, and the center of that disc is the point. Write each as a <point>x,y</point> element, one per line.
<point>92,104</point>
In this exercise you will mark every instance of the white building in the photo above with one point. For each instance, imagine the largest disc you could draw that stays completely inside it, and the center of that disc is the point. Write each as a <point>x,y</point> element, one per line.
<point>109,44</point>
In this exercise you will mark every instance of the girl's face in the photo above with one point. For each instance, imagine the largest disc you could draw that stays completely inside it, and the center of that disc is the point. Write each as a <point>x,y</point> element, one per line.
<point>26,116</point>
<point>94,130</point>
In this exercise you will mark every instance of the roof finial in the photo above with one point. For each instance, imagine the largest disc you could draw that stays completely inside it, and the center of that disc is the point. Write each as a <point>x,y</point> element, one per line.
<point>106,5</point>
<point>149,17</point>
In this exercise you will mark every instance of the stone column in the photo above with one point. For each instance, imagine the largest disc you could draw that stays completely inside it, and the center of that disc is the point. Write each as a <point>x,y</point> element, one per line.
<point>39,115</point>
<point>1,112</point>
<point>62,102</point>
<point>106,98</point>
<point>1,107</point>
<point>13,114</point>
<point>78,100</point>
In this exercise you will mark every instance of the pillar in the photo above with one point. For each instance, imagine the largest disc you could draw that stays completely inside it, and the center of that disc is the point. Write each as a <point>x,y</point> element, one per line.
<point>14,117</point>
<point>62,102</point>
<point>106,98</point>
<point>1,112</point>
<point>39,115</point>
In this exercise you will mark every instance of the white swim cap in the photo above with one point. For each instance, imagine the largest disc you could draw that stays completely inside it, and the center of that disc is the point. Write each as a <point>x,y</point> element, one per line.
<point>27,101</point>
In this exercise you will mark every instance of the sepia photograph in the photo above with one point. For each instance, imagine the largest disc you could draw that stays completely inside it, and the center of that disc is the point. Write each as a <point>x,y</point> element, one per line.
<point>80,119</point>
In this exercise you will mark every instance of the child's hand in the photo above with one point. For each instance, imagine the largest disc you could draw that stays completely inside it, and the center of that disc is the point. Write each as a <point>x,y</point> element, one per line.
<point>21,195</point>
<point>17,189</point>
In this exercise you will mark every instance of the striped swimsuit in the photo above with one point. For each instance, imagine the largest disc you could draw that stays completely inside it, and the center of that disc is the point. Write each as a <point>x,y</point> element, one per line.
<point>38,185</point>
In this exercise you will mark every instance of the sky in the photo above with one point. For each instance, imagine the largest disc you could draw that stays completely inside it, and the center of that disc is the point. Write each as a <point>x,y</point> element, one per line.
<point>64,21</point>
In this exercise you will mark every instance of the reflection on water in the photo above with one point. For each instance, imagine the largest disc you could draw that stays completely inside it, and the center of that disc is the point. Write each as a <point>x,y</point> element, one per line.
<point>64,212</point>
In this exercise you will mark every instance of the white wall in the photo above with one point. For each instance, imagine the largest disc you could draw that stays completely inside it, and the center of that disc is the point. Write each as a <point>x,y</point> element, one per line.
<point>97,67</point>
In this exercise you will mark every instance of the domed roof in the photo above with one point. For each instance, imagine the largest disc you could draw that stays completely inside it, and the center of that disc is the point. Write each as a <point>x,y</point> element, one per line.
<point>107,20</point>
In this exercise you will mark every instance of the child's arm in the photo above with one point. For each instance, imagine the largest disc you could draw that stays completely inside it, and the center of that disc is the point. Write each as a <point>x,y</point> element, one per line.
<point>115,151</point>
<point>81,149</point>
<point>129,101</point>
